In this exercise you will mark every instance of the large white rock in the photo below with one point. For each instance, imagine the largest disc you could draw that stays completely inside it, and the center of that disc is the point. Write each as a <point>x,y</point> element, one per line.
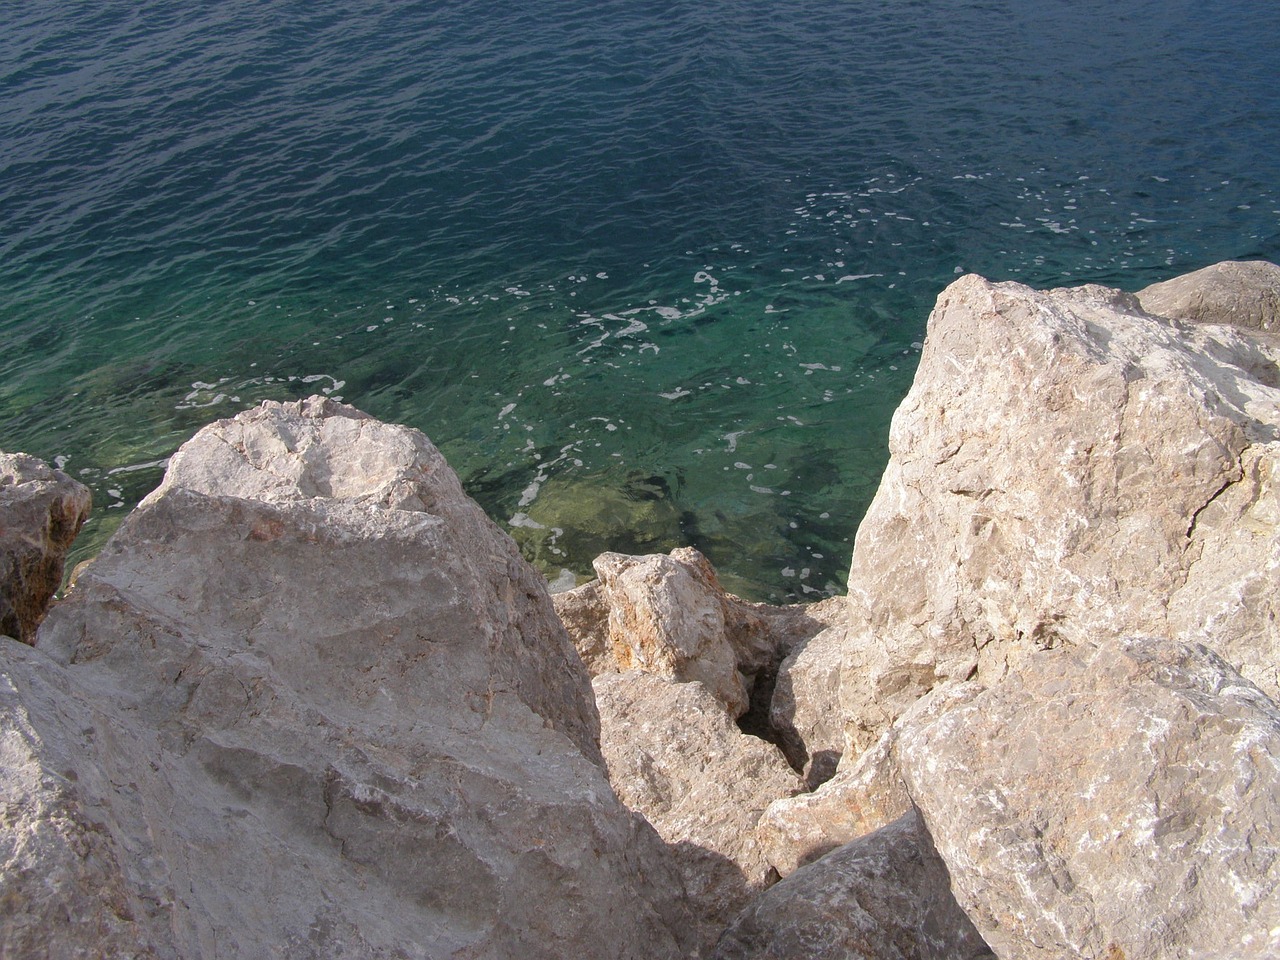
<point>1065,468</point>
<point>309,702</point>
<point>41,511</point>
<point>1117,801</point>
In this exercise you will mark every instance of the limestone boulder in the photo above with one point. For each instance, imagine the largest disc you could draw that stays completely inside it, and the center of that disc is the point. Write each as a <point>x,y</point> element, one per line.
<point>675,756</point>
<point>310,702</point>
<point>666,614</point>
<point>1066,468</point>
<point>1235,292</point>
<point>41,511</point>
<point>1113,801</point>
<point>885,896</point>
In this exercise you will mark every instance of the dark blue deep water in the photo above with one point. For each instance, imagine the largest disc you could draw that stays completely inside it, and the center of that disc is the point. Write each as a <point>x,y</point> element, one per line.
<point>649,273</point>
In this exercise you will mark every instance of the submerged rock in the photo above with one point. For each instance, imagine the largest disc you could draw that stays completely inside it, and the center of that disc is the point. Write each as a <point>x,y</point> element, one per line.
<point>310,702</point>
<point>1122,801</point>
<point>41,511</point>
<point>575,518</point>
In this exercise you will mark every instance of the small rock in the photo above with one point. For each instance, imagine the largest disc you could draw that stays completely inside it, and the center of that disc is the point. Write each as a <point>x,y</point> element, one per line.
<point>885,896</point>
<point>41,511</point>
<point>667,616</point>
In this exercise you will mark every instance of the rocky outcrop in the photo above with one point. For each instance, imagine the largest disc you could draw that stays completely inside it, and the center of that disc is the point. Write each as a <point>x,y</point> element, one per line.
<point>1239,293</point>
<point>1118,801</point>
<point>676,756</point>
<point>309,702</point>
<point>1065,468</point>
<point>885,896</point>
<point>41,511</point>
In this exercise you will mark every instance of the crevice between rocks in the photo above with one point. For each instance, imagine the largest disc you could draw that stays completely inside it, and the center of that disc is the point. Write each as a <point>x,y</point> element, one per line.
<point>1227,485</point>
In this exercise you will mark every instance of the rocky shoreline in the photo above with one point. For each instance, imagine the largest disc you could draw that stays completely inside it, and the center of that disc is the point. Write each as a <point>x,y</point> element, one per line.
<point>310,702</point>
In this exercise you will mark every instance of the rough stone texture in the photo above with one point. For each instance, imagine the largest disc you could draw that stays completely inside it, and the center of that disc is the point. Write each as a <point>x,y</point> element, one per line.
<point>804,711</point>
<point>585,615</point>
<point>1065,468</point>
<point>863,796</point>
<point>1120,801</point>
<point>668,615</point>
<point>866,793</point>
<point>635,605</point>
<point>41,511</point>
<point>63,892</point>
<point>309,702</point>
<point>883,897</point>
<point>1240,293</point>
<point>677,757</point>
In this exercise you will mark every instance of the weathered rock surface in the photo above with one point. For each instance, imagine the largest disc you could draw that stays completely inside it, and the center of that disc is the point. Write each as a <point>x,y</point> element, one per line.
<point>666,614</point>
<point>676,756</point>
<point>309,702</point>
<point>584,612</point>
<point>1118,801</point>
<point>1235,292</point>
<point>804,709</point>
<point>866,794</point>
<point>1066,468</point>
<point>883,897</point>
<point>41,511</point>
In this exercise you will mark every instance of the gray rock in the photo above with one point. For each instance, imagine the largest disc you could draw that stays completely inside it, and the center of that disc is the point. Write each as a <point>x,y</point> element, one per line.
<point>1240,293</point>
<point>804,710</point>
<point>882,897</point>
<point>41,511</point>
<point>309,702</point>
<point>866,794</point>
<point>1122,801</point>
<point>1065,468</point>
<point>676,756</point>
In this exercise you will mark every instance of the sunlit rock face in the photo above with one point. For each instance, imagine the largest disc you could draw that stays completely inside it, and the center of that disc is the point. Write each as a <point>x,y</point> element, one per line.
<point>1067,467</point>
<point>310,702</point>
<point>1117,801</point>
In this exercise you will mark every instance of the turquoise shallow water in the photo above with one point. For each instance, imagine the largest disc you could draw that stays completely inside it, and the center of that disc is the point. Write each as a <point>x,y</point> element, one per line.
<point>648,274</point>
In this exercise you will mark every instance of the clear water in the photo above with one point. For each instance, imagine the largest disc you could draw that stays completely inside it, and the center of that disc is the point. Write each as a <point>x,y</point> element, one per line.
<point>648,273</point>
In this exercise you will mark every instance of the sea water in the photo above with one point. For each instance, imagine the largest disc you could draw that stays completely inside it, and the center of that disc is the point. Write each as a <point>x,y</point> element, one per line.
<point>648,273</point>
